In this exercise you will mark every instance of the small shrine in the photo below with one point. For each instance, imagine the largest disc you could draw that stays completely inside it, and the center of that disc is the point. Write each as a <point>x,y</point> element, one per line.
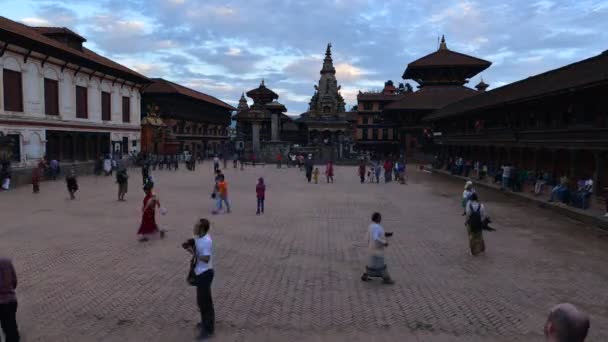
<point>156,137</point>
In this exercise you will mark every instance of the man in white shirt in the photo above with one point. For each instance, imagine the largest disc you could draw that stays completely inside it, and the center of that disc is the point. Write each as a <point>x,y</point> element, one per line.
<point>204,276</point>
<point>376,266</point>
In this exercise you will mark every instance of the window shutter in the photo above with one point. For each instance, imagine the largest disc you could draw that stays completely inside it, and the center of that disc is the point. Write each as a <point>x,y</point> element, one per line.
<point>13,91</point>
<point>51,97</point>
<point>126,109</point>
<point>81,103</point>
<point>106,102</point>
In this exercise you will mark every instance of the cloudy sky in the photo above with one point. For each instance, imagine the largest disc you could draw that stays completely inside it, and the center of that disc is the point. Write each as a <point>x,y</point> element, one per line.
<point>226,47</point>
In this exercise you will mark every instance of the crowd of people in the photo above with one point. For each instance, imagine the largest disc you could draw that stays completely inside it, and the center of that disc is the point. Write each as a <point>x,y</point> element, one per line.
<point>560,189</point>
<point>565,322</point>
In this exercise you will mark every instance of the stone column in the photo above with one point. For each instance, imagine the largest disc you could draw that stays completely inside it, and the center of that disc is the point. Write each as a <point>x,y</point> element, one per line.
<point>255,136</point>
<point>274,127</point>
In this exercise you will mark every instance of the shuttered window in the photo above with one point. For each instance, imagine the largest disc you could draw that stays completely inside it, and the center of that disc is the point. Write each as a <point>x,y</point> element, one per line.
<point>126,109</point>
<point>106,102</point>
<point>13,91</point>
<point>51,97</point>
<point>81,103</point>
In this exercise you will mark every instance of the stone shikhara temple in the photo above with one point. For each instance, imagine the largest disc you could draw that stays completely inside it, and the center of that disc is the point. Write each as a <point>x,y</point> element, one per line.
<point>325,130</point>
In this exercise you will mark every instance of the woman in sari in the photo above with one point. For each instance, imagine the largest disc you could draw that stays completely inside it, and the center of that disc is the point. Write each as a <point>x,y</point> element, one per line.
<point>329,172</point>
<point>476,218</point>
<point>148,225</point>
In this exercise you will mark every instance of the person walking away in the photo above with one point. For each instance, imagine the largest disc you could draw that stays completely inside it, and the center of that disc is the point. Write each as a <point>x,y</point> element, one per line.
<point>107,166</point>
<point>54,168</point>
<point>466,196</point>
<point>308,166</point>
<point>5,175</point>
<point>475,217</point>
<point>201,247</point>
<point>98,166</point>
<point>388,168</point>
<point>8,300</point>
<point>216,163</point>
<point>507,172</point>
<point>362,171</point>
<point>122,178</point>
<point>378,171</point>
<point>145,171</point>
<point>36,175</point>
<point>329,172</point>
<point>235,159</point>
<point>71,183</point>
<point>222,195</point>
<point>260,191</point>
<point>376,263</point>
<point>114,164</point>
<point>279,160</point>
<point>148,224</point>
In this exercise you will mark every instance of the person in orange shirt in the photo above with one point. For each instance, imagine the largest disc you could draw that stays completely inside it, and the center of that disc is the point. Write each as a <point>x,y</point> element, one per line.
<point>222,194</point>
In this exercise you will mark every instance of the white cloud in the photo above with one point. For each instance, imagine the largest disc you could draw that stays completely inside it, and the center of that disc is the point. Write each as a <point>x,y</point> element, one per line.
<point>347,72</point>
<point>33,21</point>
<point>233,52</point>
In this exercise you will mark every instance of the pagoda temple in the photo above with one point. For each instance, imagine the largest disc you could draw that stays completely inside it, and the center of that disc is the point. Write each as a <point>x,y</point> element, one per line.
<point>441,77</point>
<point>261,126</point>
<point>327,123</point>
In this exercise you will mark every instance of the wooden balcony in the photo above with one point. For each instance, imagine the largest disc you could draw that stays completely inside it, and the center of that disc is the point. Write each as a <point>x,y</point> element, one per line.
<point>575,137</point>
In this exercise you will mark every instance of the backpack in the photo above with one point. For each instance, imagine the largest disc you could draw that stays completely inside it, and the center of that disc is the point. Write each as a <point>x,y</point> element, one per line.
<point>474,220</point>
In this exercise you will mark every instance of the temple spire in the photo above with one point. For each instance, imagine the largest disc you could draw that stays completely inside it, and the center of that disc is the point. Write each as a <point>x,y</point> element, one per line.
<point>262,84</point>
<point>443,45</point>
<point>242,103</point>
<point>328,64</point>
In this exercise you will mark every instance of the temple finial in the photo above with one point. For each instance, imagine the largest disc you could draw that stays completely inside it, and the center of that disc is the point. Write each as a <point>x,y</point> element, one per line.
<point>443,45</point>
<point>328,51</point>
<point>262,84</point>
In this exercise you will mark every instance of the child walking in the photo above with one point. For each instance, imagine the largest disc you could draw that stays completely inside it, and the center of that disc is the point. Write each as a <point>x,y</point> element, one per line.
<point>315,175</point>
<point>260,191</point>
<point>72,183</point>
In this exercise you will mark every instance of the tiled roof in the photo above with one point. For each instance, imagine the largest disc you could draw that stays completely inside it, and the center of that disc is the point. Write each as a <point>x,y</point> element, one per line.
<point>30,37</point>
<point>583,73</point>
<point>431,97</point>
<point>162,86</point>
<point>379,97</point>
<point>446,57</point>
<point>57,30</point>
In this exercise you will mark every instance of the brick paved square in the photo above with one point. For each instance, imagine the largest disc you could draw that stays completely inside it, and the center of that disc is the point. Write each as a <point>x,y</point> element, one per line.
<point>293,273</point>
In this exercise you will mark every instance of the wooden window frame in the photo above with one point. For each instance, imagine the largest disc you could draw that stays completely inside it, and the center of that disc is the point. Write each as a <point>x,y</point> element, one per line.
<point>107,114</point>
<point>51,105</point>
<point>85,114</point>
<point>8,105</point>
<point>126,114</point>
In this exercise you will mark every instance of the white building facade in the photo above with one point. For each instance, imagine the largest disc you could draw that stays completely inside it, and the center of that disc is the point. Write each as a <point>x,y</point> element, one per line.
<point>61,101</point>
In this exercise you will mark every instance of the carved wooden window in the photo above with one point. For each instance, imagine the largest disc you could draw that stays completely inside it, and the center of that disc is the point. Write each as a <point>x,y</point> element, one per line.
<point>51,97</point>
<point>106,114</point>
<point>82,111</point>
<point>13,91</point>
<point>126,109</point>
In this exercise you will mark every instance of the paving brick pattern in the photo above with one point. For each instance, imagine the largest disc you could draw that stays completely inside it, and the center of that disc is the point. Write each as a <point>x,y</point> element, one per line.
<point>293,273</point>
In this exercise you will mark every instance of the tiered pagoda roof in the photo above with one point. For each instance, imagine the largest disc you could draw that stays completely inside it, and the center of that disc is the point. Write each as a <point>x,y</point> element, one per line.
<point>262,95</point>
<point>587,72</point>
<point>444,66</point>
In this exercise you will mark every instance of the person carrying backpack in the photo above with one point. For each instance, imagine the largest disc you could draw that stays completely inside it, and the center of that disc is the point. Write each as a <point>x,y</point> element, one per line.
<point>475,218</point>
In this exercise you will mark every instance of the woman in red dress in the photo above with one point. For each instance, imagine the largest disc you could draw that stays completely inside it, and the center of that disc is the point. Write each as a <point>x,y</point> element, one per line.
<point>329,172</point>
<point>148,221</point>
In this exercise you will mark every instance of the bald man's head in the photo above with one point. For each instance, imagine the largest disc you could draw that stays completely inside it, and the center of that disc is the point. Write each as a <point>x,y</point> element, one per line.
<point>566,323</point>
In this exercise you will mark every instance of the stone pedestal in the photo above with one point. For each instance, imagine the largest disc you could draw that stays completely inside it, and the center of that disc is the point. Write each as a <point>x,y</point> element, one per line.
<point>255,134</point>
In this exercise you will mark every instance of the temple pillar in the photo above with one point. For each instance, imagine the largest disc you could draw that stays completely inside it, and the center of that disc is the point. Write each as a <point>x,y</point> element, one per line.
<point>274,127</point>
<point>255,136</point>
